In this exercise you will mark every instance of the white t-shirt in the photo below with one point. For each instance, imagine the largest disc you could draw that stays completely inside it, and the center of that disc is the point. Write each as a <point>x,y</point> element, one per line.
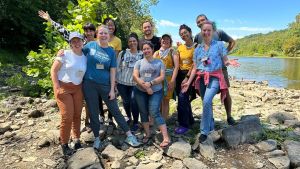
<point>73,67</point>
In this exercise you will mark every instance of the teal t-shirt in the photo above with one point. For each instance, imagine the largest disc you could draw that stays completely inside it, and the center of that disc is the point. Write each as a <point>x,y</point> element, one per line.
<point>99,62</point>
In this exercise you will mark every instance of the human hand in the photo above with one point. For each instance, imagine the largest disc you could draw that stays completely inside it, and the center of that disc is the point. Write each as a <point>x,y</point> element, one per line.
<point>44,15</point>
<point>185,87</point>
<point>111,95</point>
<point>60,53</point>
<point>233,62</point>
<point>149,91</point>
<point>171,85</point>
<point>147,84</point>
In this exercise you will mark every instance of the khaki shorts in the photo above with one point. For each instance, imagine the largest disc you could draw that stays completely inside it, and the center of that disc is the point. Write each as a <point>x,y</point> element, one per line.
<point>226,77</point>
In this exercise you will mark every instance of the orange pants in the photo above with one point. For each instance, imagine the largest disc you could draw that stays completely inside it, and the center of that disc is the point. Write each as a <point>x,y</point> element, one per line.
<point>69,100</point>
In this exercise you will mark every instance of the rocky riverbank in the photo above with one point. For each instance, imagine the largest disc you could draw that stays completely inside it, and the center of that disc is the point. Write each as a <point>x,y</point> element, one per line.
<point>267,135</point>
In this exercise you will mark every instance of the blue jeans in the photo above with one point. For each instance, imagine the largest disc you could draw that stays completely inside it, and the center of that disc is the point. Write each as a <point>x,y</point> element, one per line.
<point>129,102</point>
<point>149,104</point>
<point>92,91</point>
<point>207,94</point>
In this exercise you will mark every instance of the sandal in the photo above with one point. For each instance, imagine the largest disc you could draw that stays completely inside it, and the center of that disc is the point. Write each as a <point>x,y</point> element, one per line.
<point>181,130</point>
<point>165,144</point>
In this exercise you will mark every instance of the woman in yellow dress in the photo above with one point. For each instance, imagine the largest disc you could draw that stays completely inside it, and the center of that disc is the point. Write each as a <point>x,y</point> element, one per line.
<point>168,56</point>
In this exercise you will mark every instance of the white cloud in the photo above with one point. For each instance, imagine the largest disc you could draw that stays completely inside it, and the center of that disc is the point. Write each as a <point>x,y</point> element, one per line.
<point>234,21</point>
<point>167,23</point>
<point>250,29</point>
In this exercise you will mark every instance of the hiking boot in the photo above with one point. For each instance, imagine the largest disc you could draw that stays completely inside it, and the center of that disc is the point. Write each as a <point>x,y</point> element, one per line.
<point>66,150</point>
<point>132,141</point>
<point>231,121</point>
<point>77,145</point>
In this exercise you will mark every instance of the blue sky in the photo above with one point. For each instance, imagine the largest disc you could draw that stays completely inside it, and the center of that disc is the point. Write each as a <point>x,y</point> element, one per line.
<point>238,18</point>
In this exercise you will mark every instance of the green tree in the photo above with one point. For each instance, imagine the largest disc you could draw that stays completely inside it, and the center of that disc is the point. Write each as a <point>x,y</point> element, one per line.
<point>21,28</point>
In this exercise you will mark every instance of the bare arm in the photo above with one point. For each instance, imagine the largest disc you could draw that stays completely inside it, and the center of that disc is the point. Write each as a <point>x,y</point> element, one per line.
<point>54,74</point>
<point>231,44</point>
<point>185,86</point>
<point>171,84</point>
<point>58,27</point>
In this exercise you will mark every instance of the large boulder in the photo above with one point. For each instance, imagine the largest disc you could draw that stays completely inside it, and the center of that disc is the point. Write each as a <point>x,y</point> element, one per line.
<point>179,150</point>
<point>282,162</point>
<point>293,149</point>
<point>192,163</point>
<point>245,131</point>
<point>85,158</point>
<point>112,153</point>
<point>280,117</point>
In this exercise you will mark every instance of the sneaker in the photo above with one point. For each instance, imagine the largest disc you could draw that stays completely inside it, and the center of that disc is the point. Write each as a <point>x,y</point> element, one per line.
<point>66,150</point>
<point>97,143</point>
<point>134,127</point>
<point>202,138</point>
<point>231,121</point>
<point>131,140</point>
<point>77,145</point>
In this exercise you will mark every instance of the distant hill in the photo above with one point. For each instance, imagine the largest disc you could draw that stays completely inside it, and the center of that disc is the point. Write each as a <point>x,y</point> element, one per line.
<point>277,43</point>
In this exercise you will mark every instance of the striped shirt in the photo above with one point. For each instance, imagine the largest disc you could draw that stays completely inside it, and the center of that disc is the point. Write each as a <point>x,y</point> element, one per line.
<point>125,67</point>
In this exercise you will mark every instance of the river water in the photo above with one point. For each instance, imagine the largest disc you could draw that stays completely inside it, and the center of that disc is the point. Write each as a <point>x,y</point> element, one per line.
<point>279,72</point>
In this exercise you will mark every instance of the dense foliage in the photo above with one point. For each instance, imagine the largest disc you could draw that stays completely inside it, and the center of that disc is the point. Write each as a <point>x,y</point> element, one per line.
<point>128,14</point>
<point>21,29</point>
<point>277,43</point>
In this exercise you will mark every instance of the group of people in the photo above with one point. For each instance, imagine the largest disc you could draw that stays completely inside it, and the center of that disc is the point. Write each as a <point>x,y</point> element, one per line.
<point>147,75</point>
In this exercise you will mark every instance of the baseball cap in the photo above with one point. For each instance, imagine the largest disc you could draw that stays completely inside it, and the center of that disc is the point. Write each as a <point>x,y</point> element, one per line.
<point>75,35</point>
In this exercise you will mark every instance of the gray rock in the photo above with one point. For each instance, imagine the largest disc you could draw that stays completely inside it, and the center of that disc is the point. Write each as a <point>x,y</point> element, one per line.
<point>112,153</point>
<point>44,142</point>
<point>192,163</point>
<point>53,136</point>
<point>275,153</point>
<point>215,135</point>
<point>292,123</point>
<point>149,166</point>
<point>84,158</point>
<point>282,162</point>
<point>8,134</point>
<point>177,164</point>
<point>179,150</point>
<point>280,117</point>
<point>12,113</point>
<point>30,122</point>
<point>15,127</point>
<point>115,165</point>
<point>259,165</point>
<point>156,156</point>
<point>133,160</point>
<point>244,132</point>
<point>50,104</point>
<point>267,145</point>
<point>293,149</point>
<point>35,114</point>
<point>87,137</point>
<point>207,149</point>
<point>49,162</point>
<point>4,127</point>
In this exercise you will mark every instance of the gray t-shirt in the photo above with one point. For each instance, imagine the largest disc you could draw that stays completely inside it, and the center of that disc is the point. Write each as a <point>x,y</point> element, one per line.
<point>149,71</point>
<point>219,35</point>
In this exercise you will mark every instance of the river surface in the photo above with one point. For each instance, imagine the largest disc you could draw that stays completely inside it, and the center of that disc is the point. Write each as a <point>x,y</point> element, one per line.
<point>279,72</point>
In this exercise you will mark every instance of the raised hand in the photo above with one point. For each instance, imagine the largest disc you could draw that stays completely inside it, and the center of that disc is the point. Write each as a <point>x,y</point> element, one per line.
<point>233,62</point>
<point>44,15</point>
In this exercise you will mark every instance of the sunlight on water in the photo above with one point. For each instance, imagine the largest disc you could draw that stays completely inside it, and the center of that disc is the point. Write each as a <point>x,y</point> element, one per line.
<point>279,72</point>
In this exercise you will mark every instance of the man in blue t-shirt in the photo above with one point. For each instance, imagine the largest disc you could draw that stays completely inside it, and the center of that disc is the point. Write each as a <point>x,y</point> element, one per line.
<point>219,35</point>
